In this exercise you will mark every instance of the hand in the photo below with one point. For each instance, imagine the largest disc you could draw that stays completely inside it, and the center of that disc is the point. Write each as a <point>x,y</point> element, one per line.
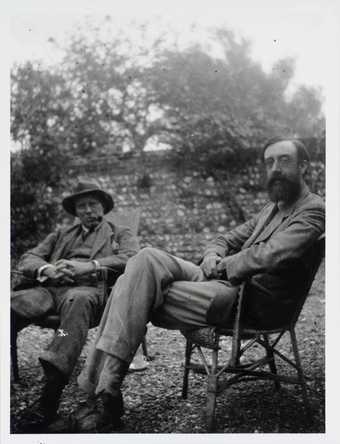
<point>57,275</point>
<point>209,265</point>
<point>74,268</point>
<point>221,269</point>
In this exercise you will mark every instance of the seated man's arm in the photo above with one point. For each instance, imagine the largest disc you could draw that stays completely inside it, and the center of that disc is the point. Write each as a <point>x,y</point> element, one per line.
<point>125,246</point>
<point>38,256</point>
<point>224,245</point>
<point>284,246</point>
<point>35,263</point>
<point>233,240</point>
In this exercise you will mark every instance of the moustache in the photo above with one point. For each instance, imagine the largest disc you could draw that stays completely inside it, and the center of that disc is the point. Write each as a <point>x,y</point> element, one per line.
<point>277,177</point>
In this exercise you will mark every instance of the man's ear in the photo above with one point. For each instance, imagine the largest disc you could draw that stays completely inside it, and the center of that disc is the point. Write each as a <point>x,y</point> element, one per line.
<point>303,165</point>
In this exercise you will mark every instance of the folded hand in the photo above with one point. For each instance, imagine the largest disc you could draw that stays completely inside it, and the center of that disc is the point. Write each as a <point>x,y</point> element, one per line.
<point>74,268</point>
<point>209,265</point>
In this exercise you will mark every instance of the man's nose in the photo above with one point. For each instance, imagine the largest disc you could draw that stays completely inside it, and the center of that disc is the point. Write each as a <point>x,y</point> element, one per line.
<point>276,165</point>
<point>88,208</point>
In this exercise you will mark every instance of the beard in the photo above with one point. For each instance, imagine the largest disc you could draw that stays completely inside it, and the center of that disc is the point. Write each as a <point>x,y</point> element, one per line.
<point>282,188</point>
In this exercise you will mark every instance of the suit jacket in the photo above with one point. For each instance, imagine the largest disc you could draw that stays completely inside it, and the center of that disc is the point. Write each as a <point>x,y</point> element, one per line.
<point>113,246</point>
<point>271,258</point>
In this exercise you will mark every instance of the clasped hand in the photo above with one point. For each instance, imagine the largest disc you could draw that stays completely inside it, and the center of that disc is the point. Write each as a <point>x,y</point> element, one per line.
<point>213,266</point>
<point>64,270</point>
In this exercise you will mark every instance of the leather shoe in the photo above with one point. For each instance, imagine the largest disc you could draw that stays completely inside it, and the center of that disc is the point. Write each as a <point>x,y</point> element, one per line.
<point>102,415</point>
<point>52,391</point>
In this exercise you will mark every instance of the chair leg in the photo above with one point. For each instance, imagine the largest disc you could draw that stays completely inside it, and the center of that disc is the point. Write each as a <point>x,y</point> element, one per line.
<point>271,359</point>
<point>144,348</point>
<point>188,351</point>
<point>212,392</point>
<point>300,371</point>
<point>14,346</point>
<point>14,353</point>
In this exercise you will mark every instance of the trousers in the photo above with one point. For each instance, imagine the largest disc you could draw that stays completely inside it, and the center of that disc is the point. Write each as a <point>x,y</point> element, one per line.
<point>79,309</point>
<point>168,291</point>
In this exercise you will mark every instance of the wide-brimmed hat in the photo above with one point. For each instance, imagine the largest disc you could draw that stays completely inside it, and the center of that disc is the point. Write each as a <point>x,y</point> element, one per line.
<point>83,188</point>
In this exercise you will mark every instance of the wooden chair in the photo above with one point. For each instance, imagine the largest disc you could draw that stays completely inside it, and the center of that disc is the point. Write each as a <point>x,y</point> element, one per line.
<point>243,339</point>
<point>127,218</point>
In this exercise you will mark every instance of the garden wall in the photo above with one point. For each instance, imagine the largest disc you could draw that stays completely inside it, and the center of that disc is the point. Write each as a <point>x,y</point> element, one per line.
<point>181,210</point>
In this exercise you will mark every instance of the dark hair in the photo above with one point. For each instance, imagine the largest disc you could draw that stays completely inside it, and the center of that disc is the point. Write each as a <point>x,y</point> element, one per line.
<point>302,153</point>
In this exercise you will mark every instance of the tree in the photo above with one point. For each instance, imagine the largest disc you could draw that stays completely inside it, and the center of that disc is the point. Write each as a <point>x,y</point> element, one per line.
<point>113,107</point>
<point>305,115</point>
<point>114,91</point>
<point>38,116</point>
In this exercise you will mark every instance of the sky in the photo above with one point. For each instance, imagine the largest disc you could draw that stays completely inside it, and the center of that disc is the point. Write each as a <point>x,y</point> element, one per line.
<point>276,29</point>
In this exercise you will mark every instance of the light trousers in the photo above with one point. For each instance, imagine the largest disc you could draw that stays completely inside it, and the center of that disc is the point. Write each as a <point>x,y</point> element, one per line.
<point>168,291</point>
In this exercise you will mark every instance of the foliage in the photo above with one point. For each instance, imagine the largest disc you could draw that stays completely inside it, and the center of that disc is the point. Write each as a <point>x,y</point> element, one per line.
<point>120,92</point>
<point>37,122</point>
<point>111,101</point>
<point>217,111</point>
<point>113,92</point>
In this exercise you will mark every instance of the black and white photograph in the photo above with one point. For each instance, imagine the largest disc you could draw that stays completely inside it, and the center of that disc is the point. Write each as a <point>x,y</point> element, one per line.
<point>167,269</point>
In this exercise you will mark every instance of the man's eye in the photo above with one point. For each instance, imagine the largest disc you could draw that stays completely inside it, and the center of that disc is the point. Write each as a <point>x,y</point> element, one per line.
<point>284,160</point>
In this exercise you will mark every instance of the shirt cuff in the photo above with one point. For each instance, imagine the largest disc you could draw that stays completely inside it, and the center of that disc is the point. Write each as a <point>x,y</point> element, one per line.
<point>96,264</point>
<point>40,277</point>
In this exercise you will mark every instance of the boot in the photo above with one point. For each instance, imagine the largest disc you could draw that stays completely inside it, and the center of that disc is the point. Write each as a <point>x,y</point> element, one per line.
<point>52,391</point>
<point>102,415</point>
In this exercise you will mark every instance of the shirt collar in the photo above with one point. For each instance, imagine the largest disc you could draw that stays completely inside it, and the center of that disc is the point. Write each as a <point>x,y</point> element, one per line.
<point>87,230</point>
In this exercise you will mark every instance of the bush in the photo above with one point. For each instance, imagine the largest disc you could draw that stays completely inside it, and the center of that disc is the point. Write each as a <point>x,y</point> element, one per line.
<point>36,175</point>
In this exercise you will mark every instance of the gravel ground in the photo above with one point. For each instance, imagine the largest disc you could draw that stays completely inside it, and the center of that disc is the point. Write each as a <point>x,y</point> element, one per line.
<point>153,398</point>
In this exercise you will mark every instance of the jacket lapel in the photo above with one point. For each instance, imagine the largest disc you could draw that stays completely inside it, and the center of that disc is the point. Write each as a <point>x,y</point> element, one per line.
<point>266,215</point>
<point>280,217</point>
<point>65,241</point>
<point>104,236</point>
<point>273,225</point>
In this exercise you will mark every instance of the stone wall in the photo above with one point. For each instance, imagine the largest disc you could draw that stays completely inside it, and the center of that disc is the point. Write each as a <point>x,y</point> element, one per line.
<point>181,211</point>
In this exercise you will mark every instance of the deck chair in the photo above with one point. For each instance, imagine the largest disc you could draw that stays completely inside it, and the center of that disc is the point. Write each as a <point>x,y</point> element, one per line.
<point>105,280</point>
<point>243,339</point>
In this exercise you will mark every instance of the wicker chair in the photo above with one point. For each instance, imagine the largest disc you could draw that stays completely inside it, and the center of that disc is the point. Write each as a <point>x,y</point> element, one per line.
<point>243,339</point>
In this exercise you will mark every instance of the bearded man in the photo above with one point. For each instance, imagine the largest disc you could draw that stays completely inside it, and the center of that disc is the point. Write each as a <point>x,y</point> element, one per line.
<point>268,252</point>
<point>62,271</point>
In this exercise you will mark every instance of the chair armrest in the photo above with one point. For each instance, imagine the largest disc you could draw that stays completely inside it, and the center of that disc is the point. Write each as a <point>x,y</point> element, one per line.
<point>107,275</point>
<point>236,339</point>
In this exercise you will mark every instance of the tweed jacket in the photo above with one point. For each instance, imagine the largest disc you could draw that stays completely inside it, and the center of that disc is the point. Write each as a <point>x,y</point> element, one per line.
<point>271,258</point>
<point>113,246</point>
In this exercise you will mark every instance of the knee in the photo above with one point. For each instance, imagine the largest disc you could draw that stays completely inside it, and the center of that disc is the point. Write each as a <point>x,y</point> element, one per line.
<point>79,297</point>
<point>144,261</point>
<point>147,255</point>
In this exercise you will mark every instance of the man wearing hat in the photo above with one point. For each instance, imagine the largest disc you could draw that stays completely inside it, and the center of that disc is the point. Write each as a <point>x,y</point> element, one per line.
<point>63,272</point>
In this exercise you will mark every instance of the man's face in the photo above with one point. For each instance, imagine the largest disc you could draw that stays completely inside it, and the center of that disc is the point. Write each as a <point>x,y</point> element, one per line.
<point>284,173</point>
<point>89,210</point>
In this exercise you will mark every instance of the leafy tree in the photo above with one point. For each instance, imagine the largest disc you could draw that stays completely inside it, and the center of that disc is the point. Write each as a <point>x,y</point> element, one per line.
<point>217,110</point>
<point>113,92</point>
<point>38,115</point>
<point>112,105</point>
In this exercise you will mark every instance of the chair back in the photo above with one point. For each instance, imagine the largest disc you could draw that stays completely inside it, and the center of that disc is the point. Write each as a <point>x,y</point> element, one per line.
<point>315,256</point>
<point>127,218</point>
